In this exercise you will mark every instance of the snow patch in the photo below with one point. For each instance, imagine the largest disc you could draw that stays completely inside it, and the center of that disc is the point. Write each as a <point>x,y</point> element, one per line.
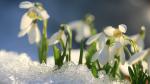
<point>20,69</point>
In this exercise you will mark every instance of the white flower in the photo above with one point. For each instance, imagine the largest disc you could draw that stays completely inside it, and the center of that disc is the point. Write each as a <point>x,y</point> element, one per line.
<point>81,28</point>
<point>103,51</point>
<point>118,33</point>
<point>102,55</point>
<point>120,41</point>
<point>139,40</point>
<point>56,37</point>
<point>29,20</point>
<point>117,49</point>
<point>138,56</point>
<point>32,30</point>
<point>36,7</point>
<point>99,38</point>
<point>26,5</point>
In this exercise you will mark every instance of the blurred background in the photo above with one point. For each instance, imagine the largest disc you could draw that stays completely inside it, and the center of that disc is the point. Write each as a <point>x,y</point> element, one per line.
<point>133,13</point>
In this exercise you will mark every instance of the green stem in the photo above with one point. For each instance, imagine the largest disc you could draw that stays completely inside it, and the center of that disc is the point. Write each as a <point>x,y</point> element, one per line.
<point>81,53</point>
<point>97,62</point>
<point>127,50</point>
<point>43,47</point>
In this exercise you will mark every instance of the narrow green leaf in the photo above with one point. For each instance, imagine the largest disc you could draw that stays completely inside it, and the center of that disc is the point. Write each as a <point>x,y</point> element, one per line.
<point>57,56</point>
<point>94,70</point>
<point>132,76</point>
<point>90,52</point>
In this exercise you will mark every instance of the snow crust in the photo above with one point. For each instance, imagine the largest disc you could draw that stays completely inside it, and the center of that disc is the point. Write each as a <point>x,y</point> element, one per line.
<point>20,69</point>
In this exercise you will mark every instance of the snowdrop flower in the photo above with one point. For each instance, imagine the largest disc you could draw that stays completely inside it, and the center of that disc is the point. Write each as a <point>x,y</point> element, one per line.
<point>118,50</point>
<point>138,56</point>
<point>29,24</point>
<point>118,33</point>
<point>81,28</point>
<point>60,35</point>
<point>56,37</point>
<point>103,49</point>
<point>99,38</point>
<point>139,40</point>
<point>102,55</point>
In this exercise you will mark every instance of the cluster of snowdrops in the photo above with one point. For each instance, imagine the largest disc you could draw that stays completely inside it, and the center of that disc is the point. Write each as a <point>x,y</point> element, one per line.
<point>121,56</point>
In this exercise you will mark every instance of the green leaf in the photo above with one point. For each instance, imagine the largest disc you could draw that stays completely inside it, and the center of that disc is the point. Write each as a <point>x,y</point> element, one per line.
<point>57,56</point>
<point>115,69</point>
<point>69,34</point>
<point>43,45</point>
<point>107,68</point>
<point>90,52</point>
<point>94,70</point>
<point>43,50</point>
<point>132,76</point>
<point>64,52</point>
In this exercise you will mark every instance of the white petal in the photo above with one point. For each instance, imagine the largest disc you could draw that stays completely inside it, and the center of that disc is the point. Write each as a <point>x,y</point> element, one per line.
<point>64,38</point>
<point>95,56</point>
<point>123,28</point>
<point>122,56</point>
<point>54,39</point>
<point>93,39</point>
<point>86,30</point>
<point>79,37</point>
<point>138,56</point>
<point>109,30</point>
<point>38,34</point>
<point>145,65</point>
<point>122,40</point>
<point>140,42</point>
<point>114,49</point>
<point>31,35</point>
<point>104,55</point>
<point>75,25</point>
<point>24,31</point>
<point>34,34</point>
<point>44,14</point>
<point>82,30</point>
<point>124,68</point>
<point>26,4</point>
<point>26,21</point>
<point>102,40</point>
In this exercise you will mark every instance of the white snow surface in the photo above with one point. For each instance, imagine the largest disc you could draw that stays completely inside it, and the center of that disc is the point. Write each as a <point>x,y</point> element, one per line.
<point>20,69</point>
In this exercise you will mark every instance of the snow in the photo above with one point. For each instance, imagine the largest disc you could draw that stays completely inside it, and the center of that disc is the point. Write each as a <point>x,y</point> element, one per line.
<point>20,69</point>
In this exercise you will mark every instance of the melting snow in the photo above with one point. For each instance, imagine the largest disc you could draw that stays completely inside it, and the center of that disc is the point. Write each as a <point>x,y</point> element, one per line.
<point>20,69</point>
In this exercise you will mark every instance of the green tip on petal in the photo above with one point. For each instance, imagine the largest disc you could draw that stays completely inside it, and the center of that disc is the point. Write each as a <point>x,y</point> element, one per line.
<point>142,32</point>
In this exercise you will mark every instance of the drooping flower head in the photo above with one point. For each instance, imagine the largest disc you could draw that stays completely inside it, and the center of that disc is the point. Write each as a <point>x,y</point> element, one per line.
<point>117,33</point>
<point>81,28</point>
<point>29,20</point>
<point>139,40</point>
<point>59,35</point>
